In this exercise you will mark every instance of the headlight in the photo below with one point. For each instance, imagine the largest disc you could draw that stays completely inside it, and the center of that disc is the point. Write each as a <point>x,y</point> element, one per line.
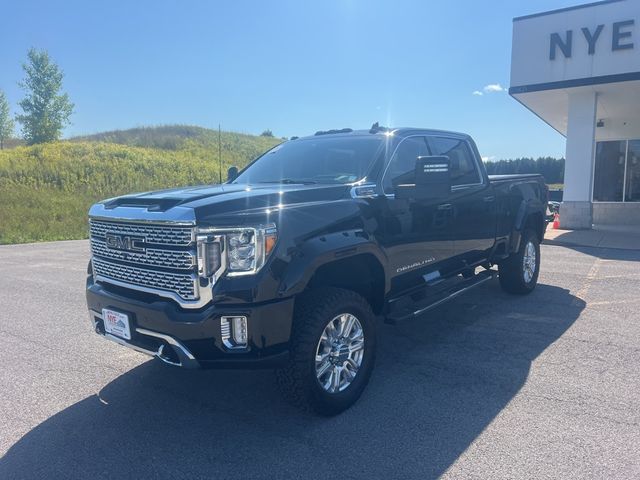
<point>209,252</point>
<point>236,251</point>
<point>242,251</point>
<point>248,249</point>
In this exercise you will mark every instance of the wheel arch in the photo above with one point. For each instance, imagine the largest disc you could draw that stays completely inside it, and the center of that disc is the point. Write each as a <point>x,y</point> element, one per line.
<point>535,222</point>
<point>361,273</point>
<point>530,216</point>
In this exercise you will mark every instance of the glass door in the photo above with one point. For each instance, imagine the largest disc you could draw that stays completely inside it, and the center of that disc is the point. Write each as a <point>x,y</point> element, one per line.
<point>632,187</point>
<point>608,178</point>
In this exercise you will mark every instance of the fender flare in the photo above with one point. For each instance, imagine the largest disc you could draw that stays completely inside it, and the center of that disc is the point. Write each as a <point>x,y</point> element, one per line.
<point>525,210</point>
<point>322,250</point>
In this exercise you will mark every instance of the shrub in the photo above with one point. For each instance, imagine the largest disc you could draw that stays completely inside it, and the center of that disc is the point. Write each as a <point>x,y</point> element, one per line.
<point>46,190</point>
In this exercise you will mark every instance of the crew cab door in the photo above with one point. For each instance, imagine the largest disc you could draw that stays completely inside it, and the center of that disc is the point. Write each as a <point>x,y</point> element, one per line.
<point>416,233</point>
<point>472,198</point>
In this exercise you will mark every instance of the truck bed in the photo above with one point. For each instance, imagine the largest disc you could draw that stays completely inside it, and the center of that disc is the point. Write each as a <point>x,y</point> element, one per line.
<point>515,176</point>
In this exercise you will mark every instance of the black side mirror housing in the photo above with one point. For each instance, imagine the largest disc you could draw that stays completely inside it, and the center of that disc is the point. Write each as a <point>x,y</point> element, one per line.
<point>432,179</point>
<point>232,174</point>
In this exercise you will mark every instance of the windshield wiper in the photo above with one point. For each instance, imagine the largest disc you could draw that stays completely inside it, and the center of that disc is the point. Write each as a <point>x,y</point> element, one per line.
<point>290,181</point>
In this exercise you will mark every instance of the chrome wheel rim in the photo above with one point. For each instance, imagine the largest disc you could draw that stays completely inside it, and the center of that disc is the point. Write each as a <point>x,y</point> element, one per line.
<point>339,353</point>
<point>529,262</point>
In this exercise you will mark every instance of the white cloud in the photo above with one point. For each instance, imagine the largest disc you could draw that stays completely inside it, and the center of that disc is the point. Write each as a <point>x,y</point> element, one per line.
<point>477,93</point>
<point>488,159</point>
<point>494,87</point>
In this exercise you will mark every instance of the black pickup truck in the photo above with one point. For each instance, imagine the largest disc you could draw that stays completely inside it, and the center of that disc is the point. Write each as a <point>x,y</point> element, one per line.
<point>290,262</point>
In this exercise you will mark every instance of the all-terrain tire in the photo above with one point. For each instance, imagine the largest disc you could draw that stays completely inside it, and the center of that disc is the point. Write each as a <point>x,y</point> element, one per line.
<point>518,274</point>
<point>313,312</point>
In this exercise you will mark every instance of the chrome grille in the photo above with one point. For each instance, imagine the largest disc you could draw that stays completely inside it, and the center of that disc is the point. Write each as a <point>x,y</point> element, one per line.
<point>164,264</point>
<point>178,259</point>
<point>176,235</point>
<point>181,284</point>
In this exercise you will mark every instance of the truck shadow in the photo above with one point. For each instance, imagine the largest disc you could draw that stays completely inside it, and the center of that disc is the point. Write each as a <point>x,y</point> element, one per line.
<point>439,382</point>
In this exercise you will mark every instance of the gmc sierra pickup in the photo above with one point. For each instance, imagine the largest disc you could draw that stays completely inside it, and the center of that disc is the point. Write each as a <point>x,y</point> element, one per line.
<point>289,263</point>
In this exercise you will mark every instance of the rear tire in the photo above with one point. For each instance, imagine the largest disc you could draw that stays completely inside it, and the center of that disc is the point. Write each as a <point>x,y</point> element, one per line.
<point>332,351</point>
<point>518,274</point>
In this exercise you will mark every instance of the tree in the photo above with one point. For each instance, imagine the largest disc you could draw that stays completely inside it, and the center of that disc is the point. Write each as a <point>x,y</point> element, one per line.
<point>267,133</point>
<point>6,122</point>
<point>551,168</point>
<point>46,109</point>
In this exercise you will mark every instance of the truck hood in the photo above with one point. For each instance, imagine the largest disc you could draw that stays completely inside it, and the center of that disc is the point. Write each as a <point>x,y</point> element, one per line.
<point>209,201</point>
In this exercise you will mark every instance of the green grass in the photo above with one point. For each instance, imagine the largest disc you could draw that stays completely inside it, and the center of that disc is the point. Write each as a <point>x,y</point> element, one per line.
<point>28,215</point>
<point>46,190</point>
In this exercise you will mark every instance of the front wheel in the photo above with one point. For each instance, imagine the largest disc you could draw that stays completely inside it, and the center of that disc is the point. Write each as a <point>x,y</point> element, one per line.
<point>519,273</point>
<point>332,351</point>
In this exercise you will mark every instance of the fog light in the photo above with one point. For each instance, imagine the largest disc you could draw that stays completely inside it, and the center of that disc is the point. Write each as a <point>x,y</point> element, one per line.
<point>234,331</point>
<point>240,330</point>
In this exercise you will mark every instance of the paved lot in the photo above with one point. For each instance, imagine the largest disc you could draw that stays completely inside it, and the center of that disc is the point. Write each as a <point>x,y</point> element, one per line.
<point>604,236</point>
<point>489,386</point>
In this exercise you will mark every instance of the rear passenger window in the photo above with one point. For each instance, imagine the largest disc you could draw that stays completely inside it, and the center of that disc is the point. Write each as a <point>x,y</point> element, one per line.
<point>402,166</point>
<point>463,166</point>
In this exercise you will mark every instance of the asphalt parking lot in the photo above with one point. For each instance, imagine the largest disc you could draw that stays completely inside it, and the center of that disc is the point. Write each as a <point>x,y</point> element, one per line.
<point>488,386</point>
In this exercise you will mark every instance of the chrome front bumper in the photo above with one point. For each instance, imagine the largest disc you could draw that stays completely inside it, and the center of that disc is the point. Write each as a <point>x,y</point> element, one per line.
<point>169,349</point>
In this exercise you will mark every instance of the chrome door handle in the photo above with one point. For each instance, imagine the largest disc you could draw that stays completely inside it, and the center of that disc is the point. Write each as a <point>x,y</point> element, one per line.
<point>445,206</point>
<point>490,198</point>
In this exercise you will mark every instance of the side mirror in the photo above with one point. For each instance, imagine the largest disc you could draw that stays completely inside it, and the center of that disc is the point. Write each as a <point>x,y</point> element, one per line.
<point>432,179</point>
<point>232,174</point>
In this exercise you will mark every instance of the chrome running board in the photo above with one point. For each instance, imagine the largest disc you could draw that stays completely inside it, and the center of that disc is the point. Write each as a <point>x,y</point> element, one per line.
<point>411,309</point>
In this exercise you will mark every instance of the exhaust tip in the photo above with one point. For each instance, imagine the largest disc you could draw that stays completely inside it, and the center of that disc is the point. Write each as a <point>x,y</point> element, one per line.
<point>168,355</point>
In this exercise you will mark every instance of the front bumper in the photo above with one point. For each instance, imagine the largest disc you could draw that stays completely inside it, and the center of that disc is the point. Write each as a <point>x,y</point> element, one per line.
<point>193,338</point>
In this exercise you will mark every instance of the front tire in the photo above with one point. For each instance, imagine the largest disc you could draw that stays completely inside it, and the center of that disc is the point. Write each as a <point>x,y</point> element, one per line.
<point>332,351</point>
<point>518,274</point>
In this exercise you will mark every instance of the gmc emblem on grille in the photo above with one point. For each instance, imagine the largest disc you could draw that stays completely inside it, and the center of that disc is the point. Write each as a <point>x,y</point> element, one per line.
<point>125,242</point>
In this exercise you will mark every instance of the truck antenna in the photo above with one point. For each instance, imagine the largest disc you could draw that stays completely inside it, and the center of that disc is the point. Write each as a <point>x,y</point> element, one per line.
<point>220,152</point>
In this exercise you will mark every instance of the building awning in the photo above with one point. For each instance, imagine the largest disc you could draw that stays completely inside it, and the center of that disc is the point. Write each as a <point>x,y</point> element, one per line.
<point>618,109</point>
<point>586,48</point>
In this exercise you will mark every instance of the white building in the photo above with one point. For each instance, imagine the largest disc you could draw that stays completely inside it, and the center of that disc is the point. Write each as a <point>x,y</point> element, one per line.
<point>578,69</point>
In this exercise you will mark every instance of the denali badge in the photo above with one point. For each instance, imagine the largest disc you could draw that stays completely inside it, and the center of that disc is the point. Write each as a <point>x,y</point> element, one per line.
<point>421,263</point>
<point>125,242</point>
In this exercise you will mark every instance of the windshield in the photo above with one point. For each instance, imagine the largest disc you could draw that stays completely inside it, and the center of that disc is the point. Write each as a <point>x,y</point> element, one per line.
<point>315,160</point>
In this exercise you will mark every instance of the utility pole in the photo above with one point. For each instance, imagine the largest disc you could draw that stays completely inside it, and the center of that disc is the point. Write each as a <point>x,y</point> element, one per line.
<point>220,151</point>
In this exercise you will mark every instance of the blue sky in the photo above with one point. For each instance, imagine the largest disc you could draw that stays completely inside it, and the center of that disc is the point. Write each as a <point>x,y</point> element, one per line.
<point>291,66</point>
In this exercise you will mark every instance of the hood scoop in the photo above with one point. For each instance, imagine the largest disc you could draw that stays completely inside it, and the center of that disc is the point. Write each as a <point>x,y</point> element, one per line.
<point>150,204</point>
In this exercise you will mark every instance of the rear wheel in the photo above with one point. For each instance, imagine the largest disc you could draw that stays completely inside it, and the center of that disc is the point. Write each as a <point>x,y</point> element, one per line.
<point>332,351</point>
<point>519,273</point>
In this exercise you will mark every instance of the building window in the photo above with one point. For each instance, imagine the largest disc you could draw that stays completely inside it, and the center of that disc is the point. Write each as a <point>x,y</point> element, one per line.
<point>632,185</point>
<point>608,181</point>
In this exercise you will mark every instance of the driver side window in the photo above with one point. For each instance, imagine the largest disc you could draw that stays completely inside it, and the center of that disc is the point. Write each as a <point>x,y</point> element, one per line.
<point>403,164</point>
<point>462,164</point>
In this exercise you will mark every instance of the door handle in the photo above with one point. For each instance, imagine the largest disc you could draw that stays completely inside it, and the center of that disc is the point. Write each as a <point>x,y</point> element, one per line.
<point>445,206</point>
<point>489,198</point>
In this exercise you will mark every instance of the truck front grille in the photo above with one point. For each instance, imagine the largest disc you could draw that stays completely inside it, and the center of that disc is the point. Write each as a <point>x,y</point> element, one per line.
<point>181,260</point>
<point>155,258</point>
<point>182,285</point>
<point>156,234</point>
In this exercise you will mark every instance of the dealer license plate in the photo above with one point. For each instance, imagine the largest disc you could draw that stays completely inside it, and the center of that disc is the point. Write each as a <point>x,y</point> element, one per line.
<point>116,323</point>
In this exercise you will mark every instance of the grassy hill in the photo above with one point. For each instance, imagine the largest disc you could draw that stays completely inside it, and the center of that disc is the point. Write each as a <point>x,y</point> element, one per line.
<point>46,190</point>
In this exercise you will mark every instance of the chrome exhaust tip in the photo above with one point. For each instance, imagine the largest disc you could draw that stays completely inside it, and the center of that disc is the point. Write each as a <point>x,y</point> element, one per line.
<point>170,350</point>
